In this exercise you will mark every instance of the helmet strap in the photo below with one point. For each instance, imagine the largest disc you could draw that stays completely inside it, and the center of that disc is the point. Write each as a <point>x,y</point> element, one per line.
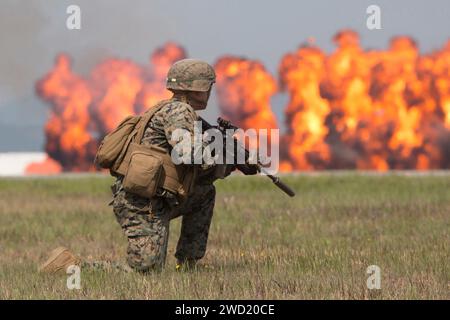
<point>180,95</point>
<point>192,99</point>
<point>198,102</point>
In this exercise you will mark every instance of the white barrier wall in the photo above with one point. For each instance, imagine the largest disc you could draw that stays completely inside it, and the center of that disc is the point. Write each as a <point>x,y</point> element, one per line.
<point>15,163</point>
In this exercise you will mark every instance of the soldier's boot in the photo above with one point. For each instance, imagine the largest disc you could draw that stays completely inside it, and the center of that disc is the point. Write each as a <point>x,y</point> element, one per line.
<point>59,260</point>
<point>186,265</point>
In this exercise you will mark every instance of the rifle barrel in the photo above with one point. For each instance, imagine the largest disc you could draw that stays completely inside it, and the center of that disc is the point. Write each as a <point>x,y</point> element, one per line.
<point>280,184</point>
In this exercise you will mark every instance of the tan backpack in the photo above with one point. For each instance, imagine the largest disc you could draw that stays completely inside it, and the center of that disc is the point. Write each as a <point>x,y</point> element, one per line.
<point>145,168</point>
<point>114,145</point>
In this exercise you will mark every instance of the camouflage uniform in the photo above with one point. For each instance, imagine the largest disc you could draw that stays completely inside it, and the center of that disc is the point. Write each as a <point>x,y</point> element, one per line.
<point>146,221</point>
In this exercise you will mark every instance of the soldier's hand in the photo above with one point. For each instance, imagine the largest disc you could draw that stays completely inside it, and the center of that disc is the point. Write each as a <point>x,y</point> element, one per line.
<point>229,169</point>
<point>223,170</point>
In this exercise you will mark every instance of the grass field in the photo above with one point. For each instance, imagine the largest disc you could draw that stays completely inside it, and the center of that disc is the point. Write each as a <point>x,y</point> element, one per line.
<point>262,245</point>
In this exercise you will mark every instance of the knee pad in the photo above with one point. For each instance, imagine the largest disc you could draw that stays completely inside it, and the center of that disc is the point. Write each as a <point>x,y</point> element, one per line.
<point>146,264</point>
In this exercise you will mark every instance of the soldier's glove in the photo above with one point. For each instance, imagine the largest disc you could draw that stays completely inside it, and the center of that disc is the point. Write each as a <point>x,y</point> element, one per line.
<point>223,170</point>
<point>248,169</point>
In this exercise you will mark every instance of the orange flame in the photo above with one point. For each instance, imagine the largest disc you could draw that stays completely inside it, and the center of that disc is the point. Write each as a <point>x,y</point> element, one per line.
<point>68,137</point>
<point>307,110</point>
<point>244,88</point>
<point>367,109</point>
<point>154,88</point>
<point>48,166</point>
<point>84,110</point>
<point>351,109</point>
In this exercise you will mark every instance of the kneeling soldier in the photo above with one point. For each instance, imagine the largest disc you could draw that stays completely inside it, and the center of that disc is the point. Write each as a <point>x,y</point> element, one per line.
<point>145,220</point>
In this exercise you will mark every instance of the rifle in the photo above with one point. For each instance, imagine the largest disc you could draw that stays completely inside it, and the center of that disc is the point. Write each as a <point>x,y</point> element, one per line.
<point>222,126</point>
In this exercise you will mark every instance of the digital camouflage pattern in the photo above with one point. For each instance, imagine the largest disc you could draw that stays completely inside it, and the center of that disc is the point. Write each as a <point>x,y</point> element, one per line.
<point>190,75</point>
<point>173,115</point>
<point>145,222</point>
<point>176,114</point>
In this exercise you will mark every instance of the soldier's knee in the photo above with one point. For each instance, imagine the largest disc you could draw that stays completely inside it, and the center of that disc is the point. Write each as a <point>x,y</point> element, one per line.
<point>144,255</point>
<point>145,264</point>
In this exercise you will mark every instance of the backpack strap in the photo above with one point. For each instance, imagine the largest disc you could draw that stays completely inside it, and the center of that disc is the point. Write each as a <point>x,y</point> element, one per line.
<point>146,117</point>
<point>136,135</point>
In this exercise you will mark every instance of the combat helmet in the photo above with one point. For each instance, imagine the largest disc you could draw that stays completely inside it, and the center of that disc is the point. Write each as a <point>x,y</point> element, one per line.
<point>190,75</point>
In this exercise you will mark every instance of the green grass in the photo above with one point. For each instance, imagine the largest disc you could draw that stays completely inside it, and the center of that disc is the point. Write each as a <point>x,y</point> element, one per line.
<point>262,245</point>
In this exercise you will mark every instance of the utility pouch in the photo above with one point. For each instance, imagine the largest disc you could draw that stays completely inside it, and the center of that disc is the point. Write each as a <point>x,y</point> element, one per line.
<point>144,173</point>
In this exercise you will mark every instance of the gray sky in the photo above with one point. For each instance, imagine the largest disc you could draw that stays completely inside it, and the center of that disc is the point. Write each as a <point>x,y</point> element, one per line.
<point>32,32</point>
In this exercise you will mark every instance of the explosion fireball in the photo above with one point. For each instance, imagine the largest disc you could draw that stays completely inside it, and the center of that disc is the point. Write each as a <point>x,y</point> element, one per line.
<point>351,109</point>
